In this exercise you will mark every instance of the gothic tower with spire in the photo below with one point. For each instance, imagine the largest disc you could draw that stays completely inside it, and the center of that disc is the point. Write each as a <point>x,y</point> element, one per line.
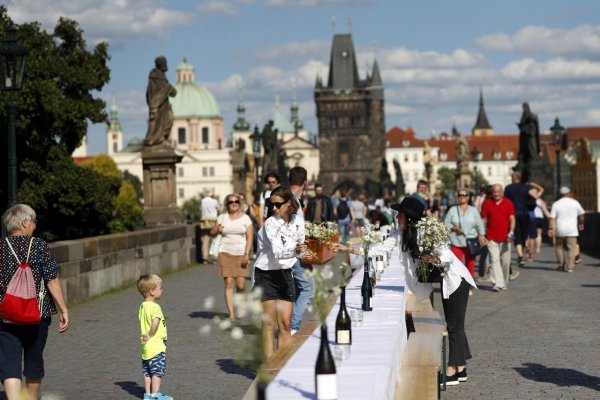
<point>482,125</point>
<point>351,120</point>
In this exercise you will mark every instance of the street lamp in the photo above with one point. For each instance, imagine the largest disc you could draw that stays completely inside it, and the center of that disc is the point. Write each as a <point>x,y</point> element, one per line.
<point>12,69</point>
<point>558,135</point>
<point>477,156</point>
<point>428,171</point>
<point>256,142</point>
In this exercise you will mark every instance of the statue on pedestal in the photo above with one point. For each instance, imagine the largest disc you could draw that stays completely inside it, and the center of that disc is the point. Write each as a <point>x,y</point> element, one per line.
<point>529,136</point>
<point>271,148</point>
<point>160,116</point>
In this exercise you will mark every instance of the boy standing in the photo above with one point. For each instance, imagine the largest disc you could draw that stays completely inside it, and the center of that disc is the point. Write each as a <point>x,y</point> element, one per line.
<point>153,337</point>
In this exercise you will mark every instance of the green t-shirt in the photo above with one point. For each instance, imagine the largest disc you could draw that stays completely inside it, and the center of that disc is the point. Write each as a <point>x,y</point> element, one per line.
<point>157,343</point>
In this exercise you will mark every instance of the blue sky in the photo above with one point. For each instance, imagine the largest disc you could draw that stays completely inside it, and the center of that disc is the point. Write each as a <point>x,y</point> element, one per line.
<point>433,55</point>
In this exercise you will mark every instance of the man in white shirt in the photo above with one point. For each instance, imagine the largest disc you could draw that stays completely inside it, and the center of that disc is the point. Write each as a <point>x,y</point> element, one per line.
<point>210,210</point>
<point>305,286</point>
<point>565,223</point>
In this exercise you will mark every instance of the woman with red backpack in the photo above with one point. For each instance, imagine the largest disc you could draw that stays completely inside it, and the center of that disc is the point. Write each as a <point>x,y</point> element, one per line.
<point>29,288</point>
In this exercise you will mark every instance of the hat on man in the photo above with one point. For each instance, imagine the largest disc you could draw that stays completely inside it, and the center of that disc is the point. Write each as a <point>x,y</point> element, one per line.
<point>411,207</point>
<point>565,190</point>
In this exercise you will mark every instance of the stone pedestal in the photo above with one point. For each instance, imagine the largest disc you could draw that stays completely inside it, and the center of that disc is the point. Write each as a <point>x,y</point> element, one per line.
<point>540,172</point>
<point>160,197</point>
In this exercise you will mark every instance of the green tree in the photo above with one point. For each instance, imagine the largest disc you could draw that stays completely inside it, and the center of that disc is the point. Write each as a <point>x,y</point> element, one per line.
<point>128,210</point>
<point>104,165</point>
<point>57,101</point>
<point>191,209</point>
<point>447,179</point>
<point>71,201</point>
<point>135,181</point>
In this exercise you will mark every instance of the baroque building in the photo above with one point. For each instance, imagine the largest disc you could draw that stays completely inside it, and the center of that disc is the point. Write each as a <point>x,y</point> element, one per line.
<point>351,121</point>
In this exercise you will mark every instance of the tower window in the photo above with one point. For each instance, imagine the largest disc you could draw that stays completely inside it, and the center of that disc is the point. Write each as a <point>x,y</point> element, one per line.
<point>181,135</point>
<point>205,135</point>
<point>180,172</point>
<point>344,154</point>
<point>181,193</point>
<point>115,148</point>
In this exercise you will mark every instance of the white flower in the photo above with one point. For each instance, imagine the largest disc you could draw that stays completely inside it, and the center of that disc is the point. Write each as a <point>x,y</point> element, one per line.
<point>209,302</point>
<point>225,324</point>
<point>205,329</point>
<point>237,333</point>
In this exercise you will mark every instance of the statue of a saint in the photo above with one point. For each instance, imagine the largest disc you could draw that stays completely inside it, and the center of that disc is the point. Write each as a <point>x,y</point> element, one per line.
<point>529,135</point>
<point>269,141</point>
<point>160,117</point>
<point>462,153</point>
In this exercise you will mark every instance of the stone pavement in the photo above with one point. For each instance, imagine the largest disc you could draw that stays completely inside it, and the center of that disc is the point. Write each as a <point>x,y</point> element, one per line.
<point>99,356</point>
<point>540,339</point>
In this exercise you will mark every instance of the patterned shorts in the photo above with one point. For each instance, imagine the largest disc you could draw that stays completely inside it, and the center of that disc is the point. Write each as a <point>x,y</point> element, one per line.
<point>156,366</point>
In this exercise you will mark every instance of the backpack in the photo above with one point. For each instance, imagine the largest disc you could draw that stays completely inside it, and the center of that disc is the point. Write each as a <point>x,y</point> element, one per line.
<point>342,209</point>
<point>21,304</point>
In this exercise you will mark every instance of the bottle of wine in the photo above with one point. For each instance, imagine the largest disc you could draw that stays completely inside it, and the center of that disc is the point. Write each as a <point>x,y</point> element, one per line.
<point>325,373</point>
<point>343,326</point>
<point>366,289</point>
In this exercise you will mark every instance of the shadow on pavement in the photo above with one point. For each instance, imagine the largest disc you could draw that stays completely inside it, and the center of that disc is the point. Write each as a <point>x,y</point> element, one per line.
<point>133,388</point>
<point>592,286</point>
<point>230,366</point>
<point>208,314</point>
<point>558,376</point>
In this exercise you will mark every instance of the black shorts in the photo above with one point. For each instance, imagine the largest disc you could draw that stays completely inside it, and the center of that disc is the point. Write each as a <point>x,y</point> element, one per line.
<point>23,342</point>
<point>276,285</point>
<point>521,229</point>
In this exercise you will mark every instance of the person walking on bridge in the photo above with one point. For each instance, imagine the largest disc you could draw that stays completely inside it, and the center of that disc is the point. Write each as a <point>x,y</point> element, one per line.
<point>566,221</point>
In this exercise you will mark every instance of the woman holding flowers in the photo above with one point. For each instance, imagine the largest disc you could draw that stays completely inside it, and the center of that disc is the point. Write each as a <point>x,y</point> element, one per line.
<point>280,241</point>
<point>456,279</point>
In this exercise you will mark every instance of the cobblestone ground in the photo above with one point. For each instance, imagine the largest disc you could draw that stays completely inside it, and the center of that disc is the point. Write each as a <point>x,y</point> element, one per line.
<point>99,356</point>
<point>540,339</point>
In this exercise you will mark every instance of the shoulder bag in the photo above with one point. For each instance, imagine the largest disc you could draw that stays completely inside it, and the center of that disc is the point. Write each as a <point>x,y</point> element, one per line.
<point>473,246</point>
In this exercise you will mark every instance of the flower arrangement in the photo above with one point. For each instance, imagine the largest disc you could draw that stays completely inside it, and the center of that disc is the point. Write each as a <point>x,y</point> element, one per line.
<point>319,236</point>
<point>432,235</point>
<point>325,285</point>
<point>368,235</point>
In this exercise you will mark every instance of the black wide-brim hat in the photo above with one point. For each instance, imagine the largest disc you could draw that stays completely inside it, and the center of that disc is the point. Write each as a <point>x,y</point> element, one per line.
<point>411,207</point>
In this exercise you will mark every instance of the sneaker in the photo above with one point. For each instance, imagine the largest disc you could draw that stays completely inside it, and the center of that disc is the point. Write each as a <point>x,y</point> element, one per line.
<point>483,279</point>
<point>577,259</point>
<point>560,268</point>
<point>462,375</point>
<point>452,380</point>
<point>514,275</point>
<point>521,261</point>
<point>570,270</point>
<point>161,396</point>
<point>148,396</point>
<point>496,289</point>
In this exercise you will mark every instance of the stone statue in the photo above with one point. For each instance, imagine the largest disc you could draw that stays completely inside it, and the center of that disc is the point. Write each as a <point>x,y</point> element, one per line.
<point>160,117</point>
<point>269,141</point>
<point>462,153</point>
<point>399,187</point>
<point>529,136</point>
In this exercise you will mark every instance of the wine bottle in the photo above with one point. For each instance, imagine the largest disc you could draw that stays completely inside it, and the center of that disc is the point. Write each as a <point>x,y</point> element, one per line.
<point>366,289</point>
<point>325,373</point>
<point>379,264</point>
<point>343,326</point>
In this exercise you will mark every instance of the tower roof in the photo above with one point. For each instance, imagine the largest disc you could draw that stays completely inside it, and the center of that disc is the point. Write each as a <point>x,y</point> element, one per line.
<point>114,124</point>
<point>192,99</point>
<point>376,75</point>
<point>482,120</point>
<point>343,72</point>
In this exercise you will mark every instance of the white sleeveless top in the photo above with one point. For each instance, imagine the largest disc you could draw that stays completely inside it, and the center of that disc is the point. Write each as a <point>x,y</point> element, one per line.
<point>233,237</point>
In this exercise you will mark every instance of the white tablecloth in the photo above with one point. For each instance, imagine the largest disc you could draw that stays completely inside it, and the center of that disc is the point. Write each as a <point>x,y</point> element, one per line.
<point>372,370</point>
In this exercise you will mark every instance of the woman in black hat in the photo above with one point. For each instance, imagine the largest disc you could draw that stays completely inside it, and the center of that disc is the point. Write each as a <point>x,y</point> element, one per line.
<point>455,284</point>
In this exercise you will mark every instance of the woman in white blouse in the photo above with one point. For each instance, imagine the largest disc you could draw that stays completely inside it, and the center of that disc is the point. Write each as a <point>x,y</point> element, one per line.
<point>280,241</point>
<point>236,231</point>
<point>455,284</point>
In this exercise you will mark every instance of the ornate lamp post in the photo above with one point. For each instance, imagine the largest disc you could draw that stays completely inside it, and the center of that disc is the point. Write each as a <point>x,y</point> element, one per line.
<point>256,143</point>
<point>12,69</point>
<point>558,134</point>
<point>476,155</point>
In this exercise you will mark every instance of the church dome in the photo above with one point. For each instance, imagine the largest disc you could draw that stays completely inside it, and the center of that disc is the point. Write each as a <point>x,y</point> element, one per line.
<point>192,99</point>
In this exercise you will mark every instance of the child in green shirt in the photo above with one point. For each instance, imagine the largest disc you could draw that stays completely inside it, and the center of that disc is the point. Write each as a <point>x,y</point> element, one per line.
<point>153,337</point>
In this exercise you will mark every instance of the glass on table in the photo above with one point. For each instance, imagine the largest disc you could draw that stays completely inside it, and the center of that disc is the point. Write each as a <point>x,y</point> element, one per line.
<point>341,352</point>
<point>356,315</point>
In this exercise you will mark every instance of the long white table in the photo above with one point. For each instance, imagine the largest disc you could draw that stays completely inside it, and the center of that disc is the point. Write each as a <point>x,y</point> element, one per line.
<point>372,370</point>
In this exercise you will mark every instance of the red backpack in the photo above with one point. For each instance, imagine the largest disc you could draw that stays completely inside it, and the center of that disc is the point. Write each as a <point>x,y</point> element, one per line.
<point>21,303</point>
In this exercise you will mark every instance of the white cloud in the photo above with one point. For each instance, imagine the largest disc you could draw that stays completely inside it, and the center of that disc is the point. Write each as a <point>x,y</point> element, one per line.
<point>294,51</point>
<point>278,3</point>
<point>581,40</point>
<point>558,68</point>
<point>218,7</point>
<point>115,21</point>
<point>403,57</point>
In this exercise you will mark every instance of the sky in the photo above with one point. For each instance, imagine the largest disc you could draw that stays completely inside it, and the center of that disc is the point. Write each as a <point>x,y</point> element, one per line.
<point>434,56</point>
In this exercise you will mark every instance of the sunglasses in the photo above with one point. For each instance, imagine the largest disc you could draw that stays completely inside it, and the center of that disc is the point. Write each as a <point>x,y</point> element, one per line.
<point>271,182</point>
<point>463,195</point>
<point>278,204</point>
<point>233,202</point>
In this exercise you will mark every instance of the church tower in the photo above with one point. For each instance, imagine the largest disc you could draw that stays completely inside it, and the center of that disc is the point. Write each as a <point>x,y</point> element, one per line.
<point>114,133</point>
<point>351,120</point>
<point>482,126</point>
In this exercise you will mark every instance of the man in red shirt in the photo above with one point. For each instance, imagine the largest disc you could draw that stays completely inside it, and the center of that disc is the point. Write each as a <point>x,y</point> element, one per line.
<point>498,214</point>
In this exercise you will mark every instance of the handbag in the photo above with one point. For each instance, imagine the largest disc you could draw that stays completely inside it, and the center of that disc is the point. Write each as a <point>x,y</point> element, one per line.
<point>473,246</point>
<point>214,246</point>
